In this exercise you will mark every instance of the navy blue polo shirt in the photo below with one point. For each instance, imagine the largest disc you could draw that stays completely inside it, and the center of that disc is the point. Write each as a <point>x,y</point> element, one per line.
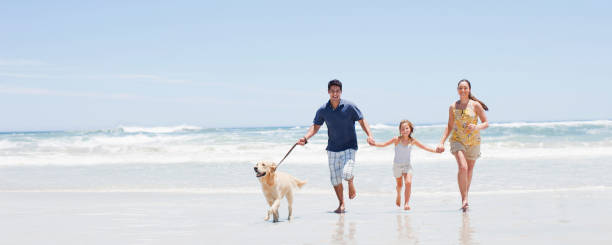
<point>340,125</point>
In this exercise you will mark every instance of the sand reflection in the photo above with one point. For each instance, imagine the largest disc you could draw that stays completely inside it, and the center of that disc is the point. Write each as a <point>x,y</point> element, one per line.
<point>466,232</point>
<point>405,231</point>
<point>339,236</point>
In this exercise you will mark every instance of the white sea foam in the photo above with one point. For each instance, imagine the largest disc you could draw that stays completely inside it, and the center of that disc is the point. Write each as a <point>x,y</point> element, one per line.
<point>219,161</point>
<point>605,123</point>
<point>382,126</point>
<point>167,145</point>
<point>169,150</point>
<point>171,129</point>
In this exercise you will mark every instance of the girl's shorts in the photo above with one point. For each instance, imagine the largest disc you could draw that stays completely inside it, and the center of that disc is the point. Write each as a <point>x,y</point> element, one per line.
<point>401,168</point>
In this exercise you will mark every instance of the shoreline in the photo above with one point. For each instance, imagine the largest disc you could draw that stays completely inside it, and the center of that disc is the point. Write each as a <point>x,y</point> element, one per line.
<point>307,191</point>
<point>191,218</point>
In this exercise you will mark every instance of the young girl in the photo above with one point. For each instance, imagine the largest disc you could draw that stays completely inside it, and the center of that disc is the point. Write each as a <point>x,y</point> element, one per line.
<point>401,162</point>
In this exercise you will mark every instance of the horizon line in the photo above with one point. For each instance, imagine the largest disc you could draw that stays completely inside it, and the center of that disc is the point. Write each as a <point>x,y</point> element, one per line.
<point>284,126</point>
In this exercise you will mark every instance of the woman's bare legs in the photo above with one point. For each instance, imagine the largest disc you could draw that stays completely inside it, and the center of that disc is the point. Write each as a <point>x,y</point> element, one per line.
<point>470,164</point>
<point>462,178</point>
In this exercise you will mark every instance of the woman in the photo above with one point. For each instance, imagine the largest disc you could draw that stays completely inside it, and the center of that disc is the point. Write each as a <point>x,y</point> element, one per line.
<point>463,118</point>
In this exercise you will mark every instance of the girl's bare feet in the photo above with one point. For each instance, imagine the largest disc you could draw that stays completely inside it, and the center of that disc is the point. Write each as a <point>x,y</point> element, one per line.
<point>398,200</point>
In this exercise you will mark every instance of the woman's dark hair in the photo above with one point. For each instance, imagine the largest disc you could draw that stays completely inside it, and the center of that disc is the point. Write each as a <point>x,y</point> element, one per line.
<point>472,97</point>
<point>334,82</point>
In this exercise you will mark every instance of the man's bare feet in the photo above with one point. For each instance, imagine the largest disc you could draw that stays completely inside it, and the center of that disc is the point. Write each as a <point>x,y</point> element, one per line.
<point>406,207</point>
<point>340,209</point>
<point>352,192</point>
<point>398,200</point>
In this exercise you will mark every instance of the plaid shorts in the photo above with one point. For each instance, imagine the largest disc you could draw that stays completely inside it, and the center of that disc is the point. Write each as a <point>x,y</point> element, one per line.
<point>341,165</point>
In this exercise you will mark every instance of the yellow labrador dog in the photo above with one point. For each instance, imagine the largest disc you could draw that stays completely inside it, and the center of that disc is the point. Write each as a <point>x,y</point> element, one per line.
<point>276,185</point>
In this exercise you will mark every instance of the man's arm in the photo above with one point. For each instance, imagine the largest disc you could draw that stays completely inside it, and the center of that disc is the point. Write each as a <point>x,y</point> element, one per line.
<point>311,131</point>
<point>366,128</point>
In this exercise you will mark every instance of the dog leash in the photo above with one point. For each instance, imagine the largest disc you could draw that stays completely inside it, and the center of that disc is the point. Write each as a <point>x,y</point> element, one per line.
<point>294,145</point>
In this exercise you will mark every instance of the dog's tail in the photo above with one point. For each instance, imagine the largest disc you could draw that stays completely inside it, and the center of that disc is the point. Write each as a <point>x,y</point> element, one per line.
<point>300,183</point>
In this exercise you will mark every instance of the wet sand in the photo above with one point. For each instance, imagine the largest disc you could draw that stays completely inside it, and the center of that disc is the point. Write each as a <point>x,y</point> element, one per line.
<point>547,217</point>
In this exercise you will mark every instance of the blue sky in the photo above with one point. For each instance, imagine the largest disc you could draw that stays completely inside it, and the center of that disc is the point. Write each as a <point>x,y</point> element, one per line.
<point>69,65</point>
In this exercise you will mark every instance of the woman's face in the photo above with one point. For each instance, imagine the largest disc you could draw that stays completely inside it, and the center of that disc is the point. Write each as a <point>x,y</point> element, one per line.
<point>405,130</point>
<point>463,89</point>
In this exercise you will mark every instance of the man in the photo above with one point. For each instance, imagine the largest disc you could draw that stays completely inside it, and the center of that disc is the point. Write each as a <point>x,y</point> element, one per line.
<point>340,116</point>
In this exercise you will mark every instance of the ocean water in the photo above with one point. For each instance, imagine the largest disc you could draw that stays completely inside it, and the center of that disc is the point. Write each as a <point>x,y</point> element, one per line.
<point>516,157</point>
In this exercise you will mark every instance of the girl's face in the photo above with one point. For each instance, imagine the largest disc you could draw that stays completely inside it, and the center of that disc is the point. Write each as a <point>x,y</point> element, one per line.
<point>463,89</point>
<point>405,130</point>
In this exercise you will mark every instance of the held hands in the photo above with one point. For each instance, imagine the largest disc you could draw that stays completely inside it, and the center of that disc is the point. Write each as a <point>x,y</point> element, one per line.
<point>440,149</point>
<point>371,141</point>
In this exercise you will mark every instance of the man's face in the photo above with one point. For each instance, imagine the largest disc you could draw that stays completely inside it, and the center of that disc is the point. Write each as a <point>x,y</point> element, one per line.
<point>334,93</point>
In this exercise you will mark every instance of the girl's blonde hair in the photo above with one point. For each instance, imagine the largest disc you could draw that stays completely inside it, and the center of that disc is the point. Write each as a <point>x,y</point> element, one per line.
<point>409,125</point>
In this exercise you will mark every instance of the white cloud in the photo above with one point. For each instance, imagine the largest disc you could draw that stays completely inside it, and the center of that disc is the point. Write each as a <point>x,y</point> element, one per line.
<point>113,96</point>
<point>153,78</point>
<point>42,91</point>
<point>141,77</point>
<point>26,91</point>
<point>138,76</point>
<point>20,62</point>
<point>22,75</point>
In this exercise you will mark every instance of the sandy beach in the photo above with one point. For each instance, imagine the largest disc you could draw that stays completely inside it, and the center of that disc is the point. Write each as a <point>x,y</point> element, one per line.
<point>543,217</point>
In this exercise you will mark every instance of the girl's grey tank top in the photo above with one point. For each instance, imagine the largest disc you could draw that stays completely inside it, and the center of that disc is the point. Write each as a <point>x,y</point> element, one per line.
<point>402,153</point>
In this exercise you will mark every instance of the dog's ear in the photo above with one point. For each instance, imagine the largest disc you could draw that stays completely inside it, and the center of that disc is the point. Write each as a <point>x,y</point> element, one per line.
<point>273,167</point>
